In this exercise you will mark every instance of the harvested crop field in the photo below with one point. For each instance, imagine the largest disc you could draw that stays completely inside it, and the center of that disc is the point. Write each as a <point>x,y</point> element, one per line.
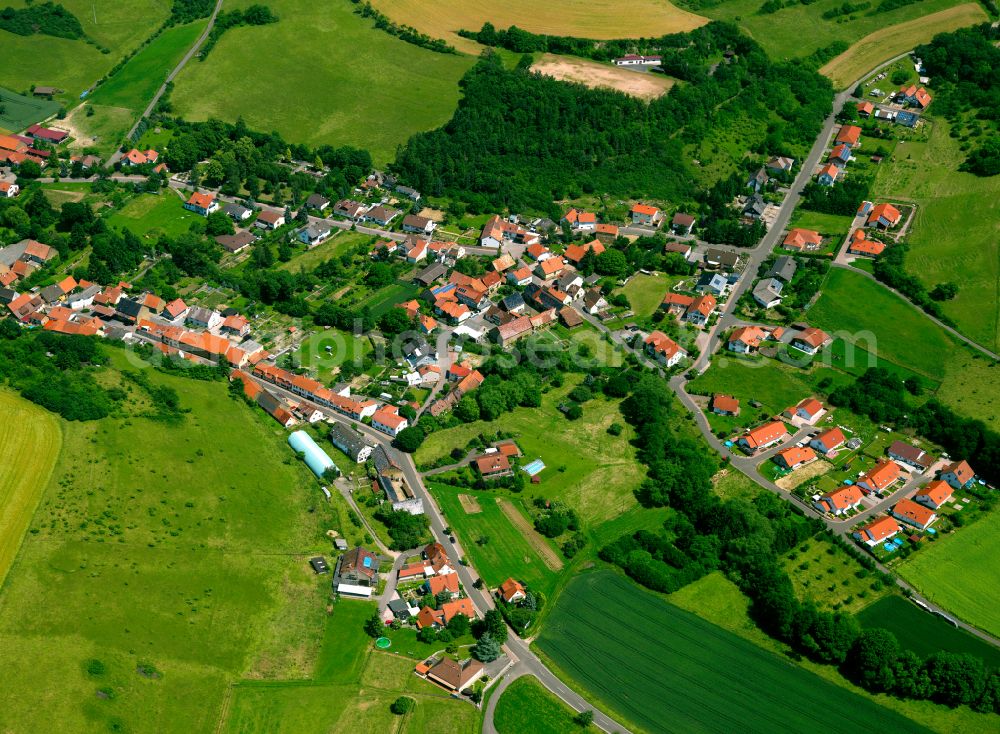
<point>644,85</point>
<point>536,541</point>
<point>470,504</point>
<point>662,668</point>
<point>882,45</point>
<point>583,18</point>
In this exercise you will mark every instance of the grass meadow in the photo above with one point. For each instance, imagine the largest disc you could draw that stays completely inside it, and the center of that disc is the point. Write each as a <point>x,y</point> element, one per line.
<point>658,662</point>
<point>340,243</point>
<point>885,42</point>
<point>924,633</point>
<point>527,705</point>
<point>826,574</point>
<point>344,347</point>
<point>561,18</point>
<point>958,571</point>
<point>646,292</point>
<point>506,553</point>
<point>591,470</point>
<point>150,215</point>
<point>182,547</point>
<point>781,33</point>
<point>956,234</point>
<point>20,110</point>
<point>75,65</point>
<point>330,77</point>
<point>716,599</point>
<point>30,438</point>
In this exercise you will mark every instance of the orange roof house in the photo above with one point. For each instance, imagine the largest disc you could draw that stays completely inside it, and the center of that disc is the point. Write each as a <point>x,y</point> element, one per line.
<point>511,591</point>
<point>934,494</point>
<point>865,109</point>
<point>849,135</point>
<point>794,457</point>
<point>958,474</point>
<point>828,440</point>
<point>448,582</point>
<point>802,239</point>
<point>884,216</point>
<point>725,404</point>
<point>576,253</point>
<point>840,500</point>
<point>764,436</point>
<point>914,514</point>
<point>746,339</point>
<point>883,475</point>
<point>877,530</point>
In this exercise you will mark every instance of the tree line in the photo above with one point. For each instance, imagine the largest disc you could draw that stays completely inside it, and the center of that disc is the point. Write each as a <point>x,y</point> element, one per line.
<point>255,14</point>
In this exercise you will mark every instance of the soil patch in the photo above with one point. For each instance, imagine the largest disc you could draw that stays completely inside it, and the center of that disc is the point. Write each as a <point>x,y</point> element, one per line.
<point>470,504</point>
<point>803,475</point>
<point>644,85</point>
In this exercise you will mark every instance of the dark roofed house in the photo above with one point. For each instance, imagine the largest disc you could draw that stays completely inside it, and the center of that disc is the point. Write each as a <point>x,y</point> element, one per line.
<point>235,242</point>
<point>350,442</point>
<point>513,303</point>
<point>358,567</point>
<point>431,273</point>
<point>456,676</point>
<point>418,224</point>
<point>682,223</point>
<point>784,268</point>
<point>755,207</point>
<point>238,212</point>
<point>910,455</point>
<point>317,201</point>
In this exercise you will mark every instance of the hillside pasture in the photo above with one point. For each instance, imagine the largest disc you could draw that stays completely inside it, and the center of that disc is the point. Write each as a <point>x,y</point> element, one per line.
<point>602,19</point>
<point>30,439</point>
<point>661,663</point>
<point>643,85</point>
<point>330,77</point>
<point>20,111</point>
<point>958,572</point>
<point>892,40</point>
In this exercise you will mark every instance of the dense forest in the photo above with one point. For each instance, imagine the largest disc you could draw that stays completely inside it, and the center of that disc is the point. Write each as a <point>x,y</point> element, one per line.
<point>50,19</point>
<point>965,68</point>
<point>520,140</point>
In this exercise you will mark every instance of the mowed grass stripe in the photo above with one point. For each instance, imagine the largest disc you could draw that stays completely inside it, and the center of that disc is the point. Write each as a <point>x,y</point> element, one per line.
<point>30,440</point>
<point>665,669</point>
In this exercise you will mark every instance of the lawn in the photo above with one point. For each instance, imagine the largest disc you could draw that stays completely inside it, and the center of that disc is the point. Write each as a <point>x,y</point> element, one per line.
<point>313,355</point>
<point>826,574</point>
<point>181,546</point>
<point>76,65</point>
<point>30,438</point>
<point>646,292</point>
<point>562,18</point>
<point>330,77</point>
<point>150,215</point>
<point>597,482</point>
<point>527,705</point>
<point>660,663</point>
<point>885,42</point>
<point>781,33</point>
<point>20,111</point>
<point>828,225</point>
<point>506,553</point>
<point>341,243</point>
<point>924,633</point>
<point>956,234</point>
<point>716,599</point>
<point>959,571</point>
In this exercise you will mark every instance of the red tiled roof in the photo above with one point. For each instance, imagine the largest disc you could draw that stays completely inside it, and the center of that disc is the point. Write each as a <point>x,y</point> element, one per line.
<point>881,528</point>
<point>882,475</point>
<point>937,491</point>
<point>843,497</point>
<point>765,434</point>
<point>913,511</point>
<point>831,438</point>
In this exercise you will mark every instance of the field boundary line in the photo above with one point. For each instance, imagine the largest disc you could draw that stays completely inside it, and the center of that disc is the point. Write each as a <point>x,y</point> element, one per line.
<point>535,540</point>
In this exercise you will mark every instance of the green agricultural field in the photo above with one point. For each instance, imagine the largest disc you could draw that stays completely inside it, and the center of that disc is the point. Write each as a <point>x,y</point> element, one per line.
<point>20,111</point>
<point>179,547</point>
<point>956,234</point>
<point>958,572</point>
<point>717,599</point>
<point>76,65</point>
<point>506,553</point>
<point>924,633</point>
<point>313,355</point>
<point>597,483</point>
<point>150,215</point>
<point>527,705</point>
<point>331,77</point>
<point>781,33</point>
<point>657,662</point>
<point>30,438</point>
<point>825,573</point>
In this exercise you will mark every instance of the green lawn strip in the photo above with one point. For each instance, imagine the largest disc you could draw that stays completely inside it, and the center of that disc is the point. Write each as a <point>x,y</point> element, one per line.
<point>658,662</point>
<point>342,81</point>
<point>958,572</point>
<point>954,237</point>
<point>922,632</point>
<point>505,553</point>
<point>181,546</point>
<point>345,646</point>
<point>828,225</point>
<point>717,599</point>
<point>597,482</point>
<point>527,705</point>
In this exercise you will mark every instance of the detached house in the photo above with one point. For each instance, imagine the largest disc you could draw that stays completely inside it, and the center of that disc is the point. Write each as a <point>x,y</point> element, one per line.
<point>357,573</point>
<point>353,210</point>
<point>581,221</point>
<point>828,175</point>
<point>317,202</point>
<point>511,591</point>
<point>914,514</point>
<point>270,220</point>
<point>725,405</point>
<point>663,349</point>
<point>746,339</point>
<point>646,215</point>
<point>139,157</point>
<point>764,436</point>
<point>700,310</point>
<point>861,245</point>
<point>918,459</point>
<point>314,233</point>
<point>883,216</point>
<point>767,293</point>
<point>418,225</point>
<point>877,530</point>
<point>576,253</point>
<point>758,180</point>
<point>810,340</point>
<point>959,475</point>
<point>388,420</point>
<point>793,457</point>
<point>202,203</point>
<point>802,239</point>
<point>913,96</point>
<point>550,268</point>
<point>682,224</point>
<point>934,494</point>
<point>829,440</point>
<point>8,189</point>
<point>880,478</point>
<point>381,215</point>
<point>839,501</point>
<point>849,135</point>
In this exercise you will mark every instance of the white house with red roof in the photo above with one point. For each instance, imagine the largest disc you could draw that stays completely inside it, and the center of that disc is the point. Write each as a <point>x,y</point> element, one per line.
<point>645,214</point>
<point>810,340</point>
<point>877,531</point>
<point>934,494</point>
<point>829,440</point>
<point>202,203</point>
<point>664,349</point>
<point>746,339</point>
<point>700,310</point>
<point>959,475</point>
<point>881,477</point>
<point>580,221</point>
<point>914,514</point>
<point>839,501</point>
<point>388,420</point>
<point>764,436</point>
<point>808,411</point>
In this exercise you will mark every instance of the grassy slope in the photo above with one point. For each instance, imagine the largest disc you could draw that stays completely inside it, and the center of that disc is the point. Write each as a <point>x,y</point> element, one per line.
<point>330,77</point>
<point>600,469</point>
<point>959,572</point>
<point>884,43</point>
<point>30,438</point>
<point>184,547</point>
<point>75,65</point>
<point>956,235</point>
<point>148,215</point>
<point>662,663</point>
<point>717,599</point>
<point>527,706</point>
<point>563,17</point>
<point>781,33</point>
